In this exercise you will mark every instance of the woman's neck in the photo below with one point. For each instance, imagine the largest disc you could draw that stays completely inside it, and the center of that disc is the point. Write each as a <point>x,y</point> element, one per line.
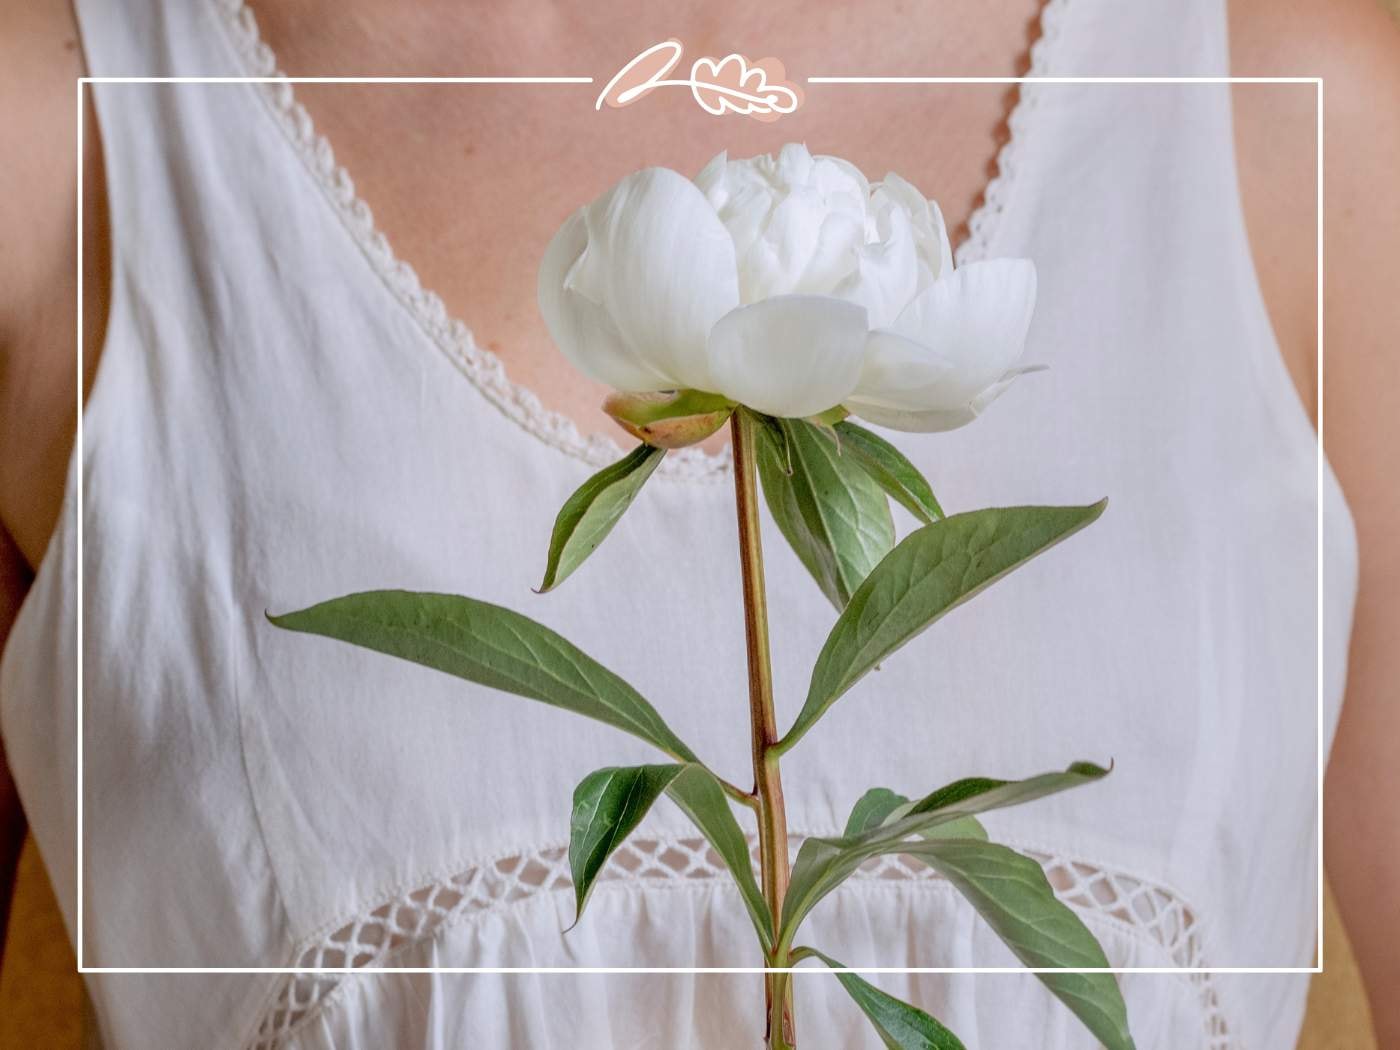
<point>502,37</point>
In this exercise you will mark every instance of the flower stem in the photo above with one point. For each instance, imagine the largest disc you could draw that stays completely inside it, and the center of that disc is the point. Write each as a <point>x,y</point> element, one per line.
<point>768,785</point>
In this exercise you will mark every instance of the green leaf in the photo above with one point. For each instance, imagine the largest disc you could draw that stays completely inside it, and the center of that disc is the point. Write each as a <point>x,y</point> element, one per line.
<point>702,799</point>
<point>824,863</point>
<point>871,809</point>
<point>962,828</point>
<point>880,806</point>
<point>835,518</point>
<point>610,803</point>
<point>591,512</point>
<point>933,570</point>
<point>772,435</point>
<point>490,645</point>
<point>1012,894</point>
<point>900,1026</point>
<point>889,469</point>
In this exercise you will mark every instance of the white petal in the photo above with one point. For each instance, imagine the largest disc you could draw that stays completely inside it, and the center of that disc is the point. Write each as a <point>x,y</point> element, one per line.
<point>914,422</point>
<point>581,328</point>
<point>834,257</point>
<point>900,373</point>
<point>792,355</point>
<point>833,175</point>
<point>662,265</point>
<point>793,165</point>
<point>974,320</point>
<point>744,212</point>
<point>930,231</point>
<point>935,419</point>
<point>886,276</point>
<point>790,238</point>
<point>711,178</point>
<point>944,244</point>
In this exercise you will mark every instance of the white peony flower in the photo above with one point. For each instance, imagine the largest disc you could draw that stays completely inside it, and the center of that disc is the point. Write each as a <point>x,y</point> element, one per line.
<point>789,284</point>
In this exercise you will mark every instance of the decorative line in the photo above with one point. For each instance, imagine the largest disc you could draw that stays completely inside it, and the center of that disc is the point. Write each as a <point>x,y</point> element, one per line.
<point>1034,78</point>
<point>279,79</point>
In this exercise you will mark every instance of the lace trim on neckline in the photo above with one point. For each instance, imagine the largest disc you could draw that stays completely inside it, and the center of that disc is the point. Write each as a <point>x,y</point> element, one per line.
<point>376,937</point>
<point>985,220</point>
<point>484,369</point>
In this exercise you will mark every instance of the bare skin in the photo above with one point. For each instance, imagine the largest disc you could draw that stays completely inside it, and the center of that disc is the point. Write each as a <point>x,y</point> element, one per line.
<point>412,150</point>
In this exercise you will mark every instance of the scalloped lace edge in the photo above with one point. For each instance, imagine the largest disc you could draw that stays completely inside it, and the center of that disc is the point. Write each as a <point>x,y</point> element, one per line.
<point>484,369</point>
<point>984,222</point>
<point>376,937</point>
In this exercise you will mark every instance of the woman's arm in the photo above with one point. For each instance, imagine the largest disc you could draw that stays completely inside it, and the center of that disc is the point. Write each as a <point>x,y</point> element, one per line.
<point>40,61</point>
<point>39,64</point>
<point>1355,47</point>
<point>1362,430</point>
<point>14,580</point>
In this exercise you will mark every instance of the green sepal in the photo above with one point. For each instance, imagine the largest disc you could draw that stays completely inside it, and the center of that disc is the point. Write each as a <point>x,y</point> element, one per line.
<point>669,418</point>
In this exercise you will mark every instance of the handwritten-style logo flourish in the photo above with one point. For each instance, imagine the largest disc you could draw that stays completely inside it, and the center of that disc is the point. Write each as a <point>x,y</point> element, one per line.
<point>731,84</point>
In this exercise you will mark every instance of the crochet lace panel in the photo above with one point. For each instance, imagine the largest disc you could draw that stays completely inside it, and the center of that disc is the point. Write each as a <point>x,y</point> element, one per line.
<point>377,937</point>
<point>454,338</point>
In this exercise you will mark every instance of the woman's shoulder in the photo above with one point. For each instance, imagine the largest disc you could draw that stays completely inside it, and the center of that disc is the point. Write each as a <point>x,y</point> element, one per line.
<point>1354,46</point>
<point>40,61</point>
<point>1310,35</point>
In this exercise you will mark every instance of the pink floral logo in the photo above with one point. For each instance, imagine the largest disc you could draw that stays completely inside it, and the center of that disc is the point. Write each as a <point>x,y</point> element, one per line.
<point>731,84</point>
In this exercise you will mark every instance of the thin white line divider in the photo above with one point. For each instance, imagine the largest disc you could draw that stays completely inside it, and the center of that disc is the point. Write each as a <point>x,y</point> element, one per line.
<point>335,80</point>
<point>1321,462</point>
<point>1318,968</point>
<point>78,452</point>
<point>1063,80</point>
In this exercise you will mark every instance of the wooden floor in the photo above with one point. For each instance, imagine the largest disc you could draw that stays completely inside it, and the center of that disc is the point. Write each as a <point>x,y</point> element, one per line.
<point>41,999</point>
<point>40,993</point>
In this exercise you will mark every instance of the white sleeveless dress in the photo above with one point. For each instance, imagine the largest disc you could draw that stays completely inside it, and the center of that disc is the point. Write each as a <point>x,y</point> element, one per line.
<point>283,414</point>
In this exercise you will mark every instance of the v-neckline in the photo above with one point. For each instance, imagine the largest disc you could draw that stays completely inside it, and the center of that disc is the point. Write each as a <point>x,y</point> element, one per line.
<point>454,337</point>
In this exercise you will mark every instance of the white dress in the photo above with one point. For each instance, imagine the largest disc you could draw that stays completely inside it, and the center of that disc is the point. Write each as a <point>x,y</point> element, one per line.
<point>282,414</point>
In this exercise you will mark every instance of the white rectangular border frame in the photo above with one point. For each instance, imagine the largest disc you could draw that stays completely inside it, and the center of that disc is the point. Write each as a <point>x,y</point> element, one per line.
<point>81,111</point>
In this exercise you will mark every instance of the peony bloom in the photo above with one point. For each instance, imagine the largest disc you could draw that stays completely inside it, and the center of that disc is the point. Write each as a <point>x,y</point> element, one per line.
<point>790,284</point>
